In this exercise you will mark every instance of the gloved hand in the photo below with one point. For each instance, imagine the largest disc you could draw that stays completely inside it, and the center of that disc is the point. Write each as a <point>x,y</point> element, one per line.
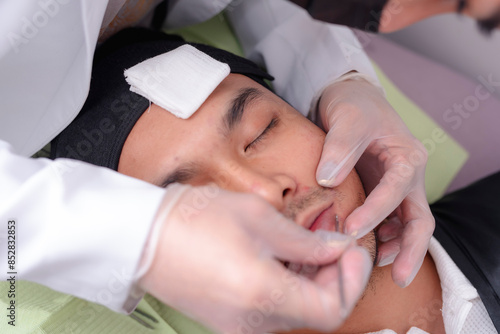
<point>217,261</point>
<point>362,125</point>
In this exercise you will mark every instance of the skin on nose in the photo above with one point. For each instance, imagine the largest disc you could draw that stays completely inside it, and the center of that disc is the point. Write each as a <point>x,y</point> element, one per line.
<point>272,187</point>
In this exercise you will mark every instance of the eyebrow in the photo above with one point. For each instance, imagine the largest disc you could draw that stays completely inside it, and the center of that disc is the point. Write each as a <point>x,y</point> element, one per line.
<point>237,108</point>
<point>182,173</point>
<point>230,120</point>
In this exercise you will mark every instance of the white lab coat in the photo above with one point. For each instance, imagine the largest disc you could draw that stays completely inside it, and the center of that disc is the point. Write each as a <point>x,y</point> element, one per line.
<point>81,229</point>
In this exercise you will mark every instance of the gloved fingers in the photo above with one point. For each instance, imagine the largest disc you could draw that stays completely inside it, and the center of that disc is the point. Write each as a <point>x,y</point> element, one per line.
<point>345,142</point>
<point>290,242</point>
<point>387,251</point>
<point>418,228</point>
<point>394,186</point>
<point>390,229</point>
<point>388,241</point>
<point>321,303</point>
<point>351,262</point>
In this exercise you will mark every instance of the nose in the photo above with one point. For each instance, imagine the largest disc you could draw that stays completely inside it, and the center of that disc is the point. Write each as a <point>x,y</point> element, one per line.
<point>277,188</point>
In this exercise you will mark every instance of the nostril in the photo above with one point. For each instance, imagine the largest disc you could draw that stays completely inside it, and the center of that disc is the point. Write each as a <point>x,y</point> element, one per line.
<point>285,192</point>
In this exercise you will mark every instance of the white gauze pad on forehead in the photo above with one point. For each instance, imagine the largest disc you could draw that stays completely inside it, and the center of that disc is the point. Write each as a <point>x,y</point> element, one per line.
<point>178,81</point>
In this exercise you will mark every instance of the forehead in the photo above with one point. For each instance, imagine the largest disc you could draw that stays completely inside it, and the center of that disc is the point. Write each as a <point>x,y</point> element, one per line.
<point>159,139</point>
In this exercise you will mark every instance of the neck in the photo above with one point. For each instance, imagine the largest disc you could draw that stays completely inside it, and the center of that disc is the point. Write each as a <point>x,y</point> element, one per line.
<point>387,306</point>
<point>398,14</point>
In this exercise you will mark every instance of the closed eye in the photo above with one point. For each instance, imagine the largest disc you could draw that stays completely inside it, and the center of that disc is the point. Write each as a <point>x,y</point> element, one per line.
<point>274,122</point>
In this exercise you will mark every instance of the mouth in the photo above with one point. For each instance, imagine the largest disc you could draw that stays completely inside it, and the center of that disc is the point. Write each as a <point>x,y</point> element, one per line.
<point>324,220</point>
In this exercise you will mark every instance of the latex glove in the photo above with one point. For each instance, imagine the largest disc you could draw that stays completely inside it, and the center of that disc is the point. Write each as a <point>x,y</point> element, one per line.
<point>362,125</point>
<point>217,262</point>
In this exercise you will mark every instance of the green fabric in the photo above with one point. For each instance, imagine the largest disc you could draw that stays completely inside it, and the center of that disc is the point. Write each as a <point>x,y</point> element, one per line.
<point>215,32</point>
<point>42,310</point>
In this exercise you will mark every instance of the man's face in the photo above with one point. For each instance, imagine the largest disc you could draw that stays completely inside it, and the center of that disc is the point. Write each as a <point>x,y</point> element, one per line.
<point>245,139</point>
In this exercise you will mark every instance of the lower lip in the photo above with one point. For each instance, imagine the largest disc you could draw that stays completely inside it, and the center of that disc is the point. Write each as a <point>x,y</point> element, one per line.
<point>325,221</point>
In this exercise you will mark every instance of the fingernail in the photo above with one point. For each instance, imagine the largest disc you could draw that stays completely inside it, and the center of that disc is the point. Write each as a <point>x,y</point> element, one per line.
<point>326,174</point>
<point>409,279</point>
<point>386,260</point>
<point>356,233</point>
<point>334,239</point>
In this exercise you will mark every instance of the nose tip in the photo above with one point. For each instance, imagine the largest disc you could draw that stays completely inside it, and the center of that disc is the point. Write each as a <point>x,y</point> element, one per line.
<point>276,189</point>
<point>273,187</point>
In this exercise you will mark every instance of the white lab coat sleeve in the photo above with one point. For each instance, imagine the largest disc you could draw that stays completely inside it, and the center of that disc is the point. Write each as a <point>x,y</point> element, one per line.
<point>79,229</point>
<point>304,55</point>
<point>46,54</point>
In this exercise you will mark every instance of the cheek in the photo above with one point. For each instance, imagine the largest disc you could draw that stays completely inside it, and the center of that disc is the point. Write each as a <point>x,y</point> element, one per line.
<point>303,146</point>
<point>350,194</point>
<point>311,141</point>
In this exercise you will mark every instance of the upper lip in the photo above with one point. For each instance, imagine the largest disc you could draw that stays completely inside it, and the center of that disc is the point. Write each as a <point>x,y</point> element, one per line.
<point>311,217</point>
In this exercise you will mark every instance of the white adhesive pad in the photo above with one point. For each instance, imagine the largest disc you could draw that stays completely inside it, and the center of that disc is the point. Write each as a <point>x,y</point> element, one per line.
<point>178,81</point>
